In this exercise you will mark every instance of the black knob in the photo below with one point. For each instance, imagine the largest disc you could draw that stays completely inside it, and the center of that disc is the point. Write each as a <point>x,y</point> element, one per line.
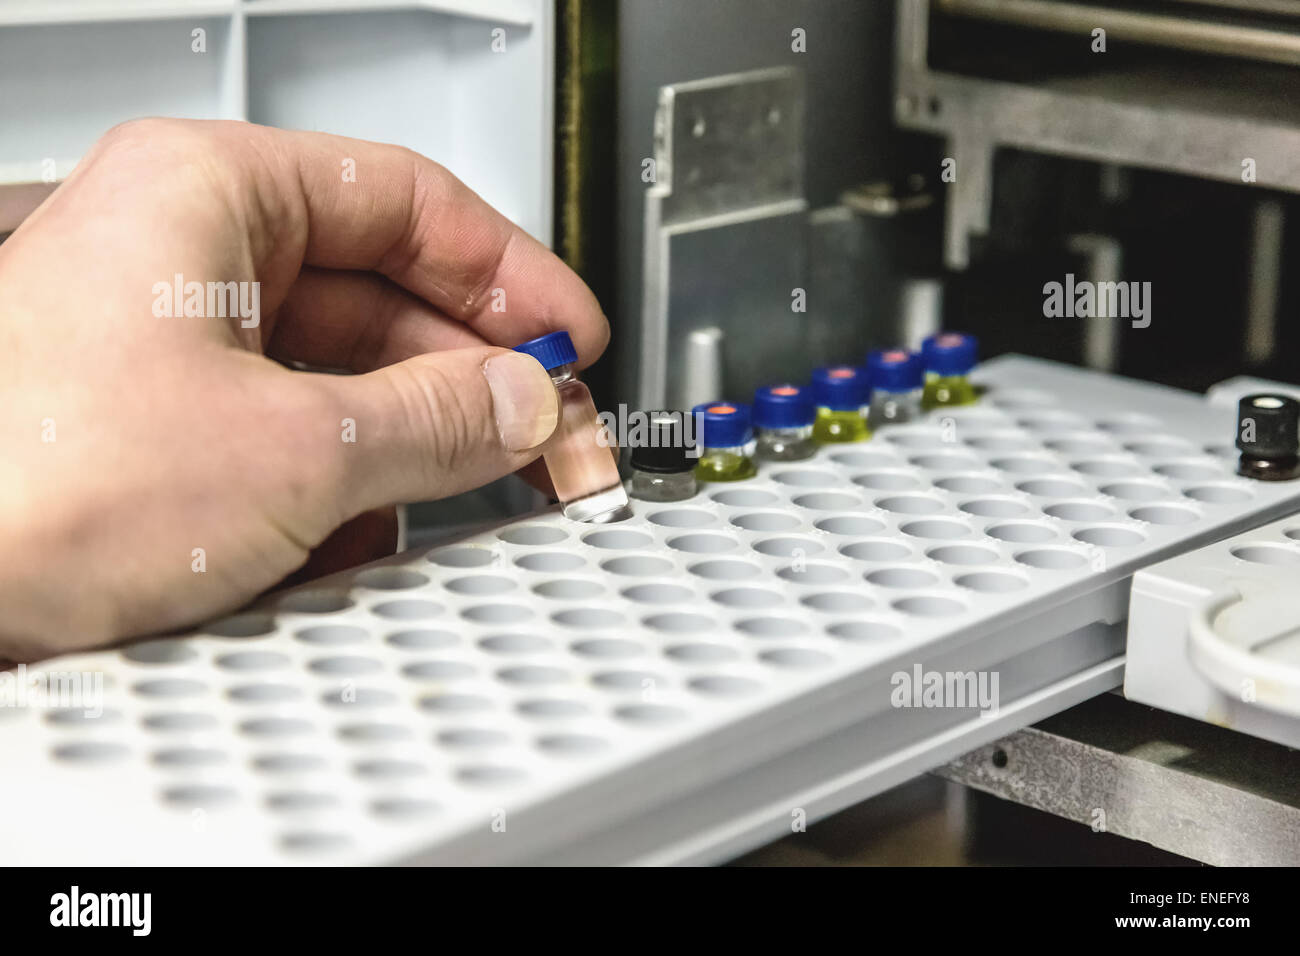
<point>1268,436</point>
<point>661,449</point>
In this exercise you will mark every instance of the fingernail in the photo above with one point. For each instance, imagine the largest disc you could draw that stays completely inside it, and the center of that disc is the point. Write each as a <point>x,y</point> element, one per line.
<point>523,400</point>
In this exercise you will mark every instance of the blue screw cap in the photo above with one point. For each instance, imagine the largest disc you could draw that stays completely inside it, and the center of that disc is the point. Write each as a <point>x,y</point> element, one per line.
<point>551,350</point>
<point>950,353</point>
<point>722,424</point>
<point>783,406</point>
<point>894,370</point>
<point>840,388</point>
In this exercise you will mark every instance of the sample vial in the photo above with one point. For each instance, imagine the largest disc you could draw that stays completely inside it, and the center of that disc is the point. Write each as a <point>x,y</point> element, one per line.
<point>783,423</point>
<point>661,469</point>
<point>1268,437</point>
<point>578,455</point>
<point>895,376</point>
<point>948,358</point>
<point>727,439</point>
<point>840,394</point>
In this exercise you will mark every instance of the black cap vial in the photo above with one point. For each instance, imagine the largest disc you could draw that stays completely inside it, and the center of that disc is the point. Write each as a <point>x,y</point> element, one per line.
<point>663,450</point>
<point>1268,436</point>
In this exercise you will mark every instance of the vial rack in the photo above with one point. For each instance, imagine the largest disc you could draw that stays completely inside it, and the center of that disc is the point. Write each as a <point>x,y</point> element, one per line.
<point>673,688</point>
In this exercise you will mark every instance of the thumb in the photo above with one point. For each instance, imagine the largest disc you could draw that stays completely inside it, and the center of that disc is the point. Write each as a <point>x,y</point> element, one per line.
<point>440,423</point>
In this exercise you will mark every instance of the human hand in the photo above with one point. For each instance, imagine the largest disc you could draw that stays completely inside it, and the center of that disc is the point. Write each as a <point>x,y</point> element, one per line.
<point>139,448</point>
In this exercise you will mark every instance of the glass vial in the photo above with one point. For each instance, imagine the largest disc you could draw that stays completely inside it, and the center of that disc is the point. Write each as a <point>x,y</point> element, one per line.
<point>578,455</point>
<point>896,377</point>
<point>840,394</point>
<point>948,358</point>
<point>1268,437</point>
<point>783,423</point>
<point>727,440</point>
<point>661,468</point>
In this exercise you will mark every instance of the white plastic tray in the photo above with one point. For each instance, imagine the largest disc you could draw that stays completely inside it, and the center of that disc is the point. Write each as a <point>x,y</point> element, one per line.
<point>659,689</point>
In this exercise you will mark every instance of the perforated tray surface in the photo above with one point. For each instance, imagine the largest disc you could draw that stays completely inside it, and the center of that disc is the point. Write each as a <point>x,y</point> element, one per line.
<point>524,686</point>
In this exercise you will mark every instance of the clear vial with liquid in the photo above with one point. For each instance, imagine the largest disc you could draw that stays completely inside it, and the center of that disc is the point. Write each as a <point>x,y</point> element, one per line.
<point>663,468</point>
<point>896,378</point>
<point>783,423</point>
<point>949,358</point>
<point>579,455</point>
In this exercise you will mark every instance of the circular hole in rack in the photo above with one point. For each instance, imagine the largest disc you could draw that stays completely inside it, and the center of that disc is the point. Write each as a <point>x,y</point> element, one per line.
<point>1164,514</point>
<point>332,634</point>
<point>1110,536</point>
<point>252,660</point>
<point>402,808</point>
<point>355,697</point>
<point>618,539</point>
<point>649,713</point>
<point>963,554</point>
<point>917,437</point>
<point>496,613</point>
<point>1011,442</point>
<point>837,602</point>
<point>388,768</point>
<point>1106,467</point>
<point>994,507</point>
<point>820,574</point>
<point>828,501</point>
<point>316,601</point>
<point>609,648</point>
<point>263,693</point>
<point>160,652</point>
<point>179,722</point>
<point>533,674</point>
<point>1160,448</point>
<point>1191,470</point>
<point>935,528</point>
<point>1015,399</point>
<point>288,763</point>
<point>637,565</point>
<point>89,752</point>
<point>406,610</point>
<point>345,665</point>
<point>745,498</point>
<point>787,547</point>
<point>553,562</point>
<point>490,775</point>
<point>724,685</point>
<point>863,631</point>
<point>374,733</point>
<point>876,550</point>
<point>1136,490</point>
<point>188,757</point>
<point>421,640</point>
<point>438,670</point>
<point>1021,532</point>
<point>1081,445</point>
<point>683,518</point>
<point>795,658</point>
<point>991,582</point>
<point>479,584</point>
<point>1079,511</point>
<point>533,535</point>
<point>199,796</point>
<point>746,597</point>
<point>471,738</point>
<point>929,605</point>
<point>701,653</point>
<point>911,504</point>
<point>276,727</point>
<point>771,626</point>
<point>454,703</point>
<point>1053,421</point>
<point>169,687</point>
<point>850,525</point>
<point>679,621</point>
<point>1026,464</point>
<point>569,589</point>
<point>625,680</point>
<point>865,459</point>
<point>725,569</point>
<point>766,521</point>
<point>300,801</point>
<point>1052,488</point>
<point>1266,554</point>
<point>658,593</point>
<point>514,644</point>
<point>968,484</point>
<point>571,745</point>
<point>463,557</point>
<point>702,543</point>
<point>1223,494</point>
<point>552,708</point>
<point>1131,423</point>
<point>806,478</point>
<point>945,462</point>
<point>903,578</point>
<point>888,481</point>
<point>389,579</point>
<point>588,617</point>
<point>1052,559</point>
